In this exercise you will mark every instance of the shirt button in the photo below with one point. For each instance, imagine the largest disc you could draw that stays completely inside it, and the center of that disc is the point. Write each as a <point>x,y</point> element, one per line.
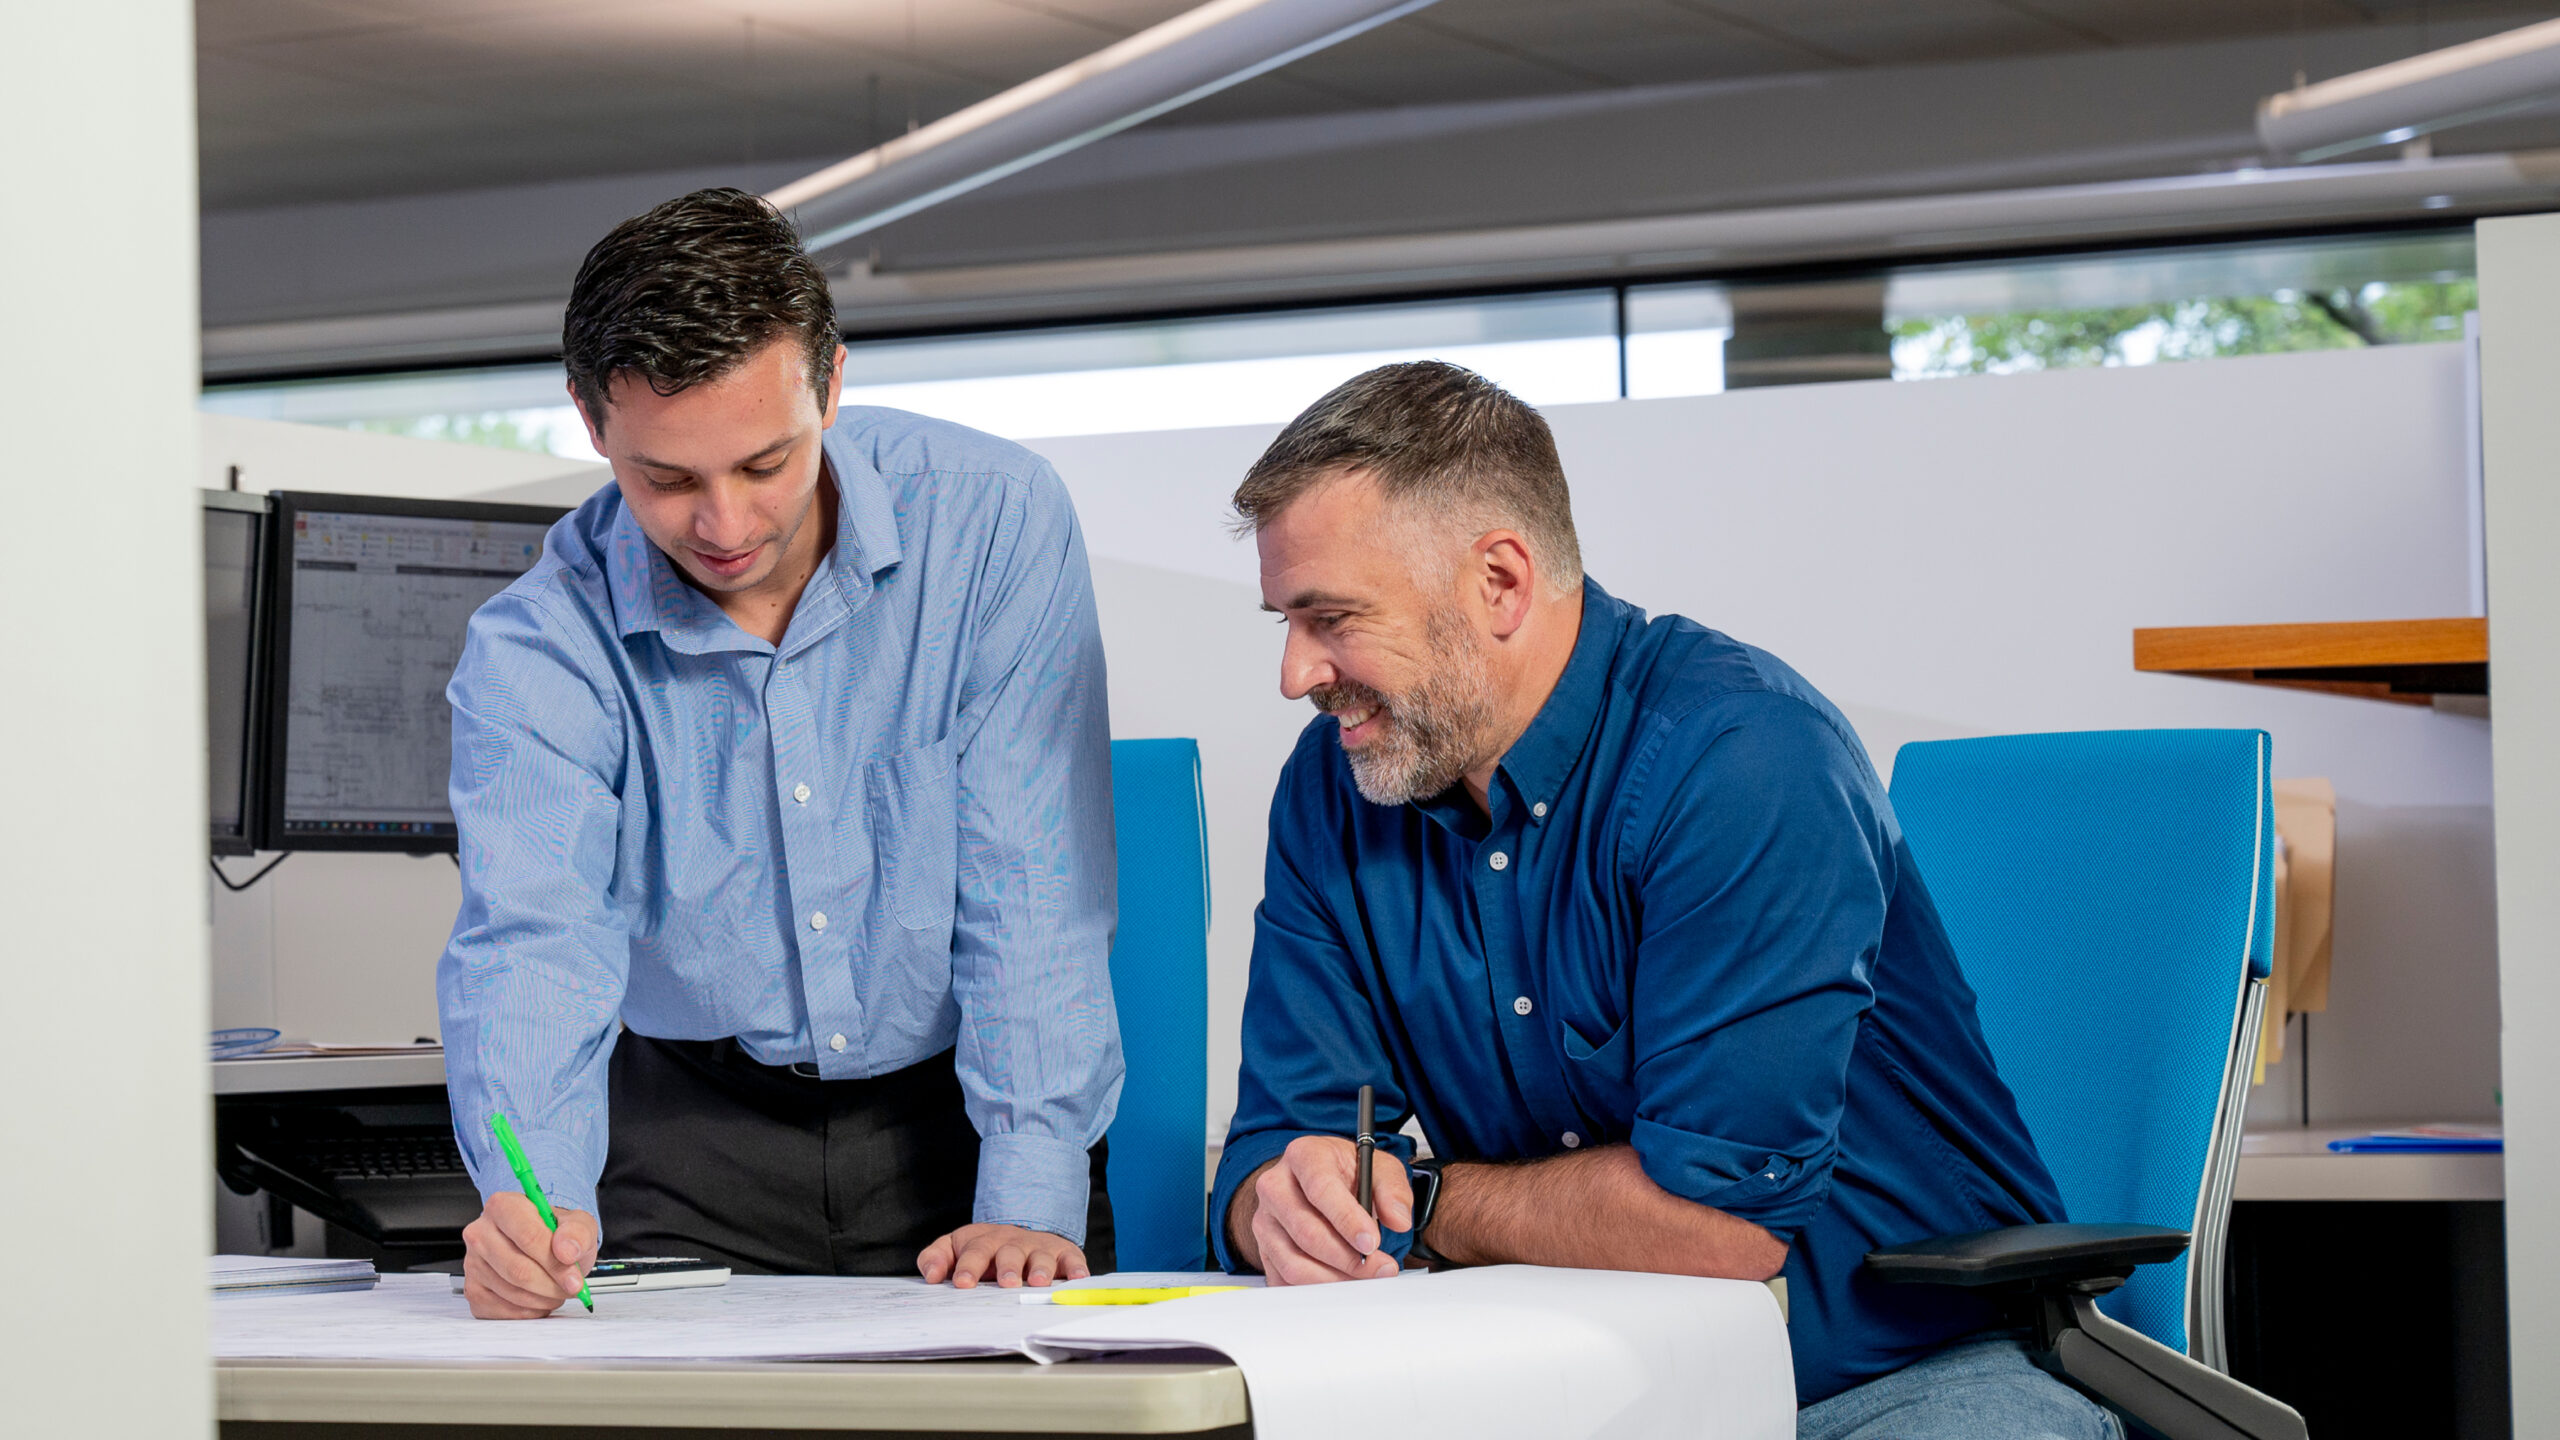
<point>800,793</point>
<point>1500,861</point>
<point>1539,809</point>
<point>1522,1006</point>
<point>818,921</point>
<point>1571,1140</point>
<point>835,1042</point>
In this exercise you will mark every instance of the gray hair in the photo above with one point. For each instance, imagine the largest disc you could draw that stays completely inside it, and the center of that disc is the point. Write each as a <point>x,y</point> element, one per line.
<point>1437,437</point>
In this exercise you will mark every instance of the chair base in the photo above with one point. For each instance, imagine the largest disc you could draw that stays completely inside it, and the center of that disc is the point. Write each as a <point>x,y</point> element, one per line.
<point>2159,1389</point>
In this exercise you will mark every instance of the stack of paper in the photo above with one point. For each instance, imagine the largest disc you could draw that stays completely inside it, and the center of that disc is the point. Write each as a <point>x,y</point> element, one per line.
<point>288,1275</point>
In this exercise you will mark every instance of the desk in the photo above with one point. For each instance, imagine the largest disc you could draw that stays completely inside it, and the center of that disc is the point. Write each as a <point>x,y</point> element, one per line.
<point>2414,662</point>
<point>2297,1164</point>
<point>417,1402</point>
<point>2321,1243</point>
<point>286,1074</point>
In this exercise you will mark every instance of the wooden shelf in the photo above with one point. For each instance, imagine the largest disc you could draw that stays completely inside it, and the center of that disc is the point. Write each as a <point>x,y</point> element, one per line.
<point>2410,661</point>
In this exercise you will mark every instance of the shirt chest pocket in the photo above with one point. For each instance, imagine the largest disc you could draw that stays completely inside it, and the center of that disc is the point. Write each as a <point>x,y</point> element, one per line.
<point>915,832</point>
<point>1602,1077</point>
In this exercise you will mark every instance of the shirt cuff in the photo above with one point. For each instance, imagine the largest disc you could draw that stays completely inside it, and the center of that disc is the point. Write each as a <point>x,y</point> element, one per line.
<point>1774,1192</point>
<point>559,1166</point>
<point>1038,1182</point>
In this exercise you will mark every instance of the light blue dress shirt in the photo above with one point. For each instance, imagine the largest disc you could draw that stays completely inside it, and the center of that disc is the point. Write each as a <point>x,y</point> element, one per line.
<point>888,835</point>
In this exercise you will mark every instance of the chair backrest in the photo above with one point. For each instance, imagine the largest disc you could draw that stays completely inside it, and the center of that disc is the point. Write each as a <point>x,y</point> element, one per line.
<point>1160,976</point>
<point>2108,894</point>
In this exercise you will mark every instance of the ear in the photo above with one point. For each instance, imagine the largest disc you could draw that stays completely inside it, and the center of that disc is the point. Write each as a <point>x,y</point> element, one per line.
<point>835,391</point>
<point>595,432</point>
<point>1508,580</point>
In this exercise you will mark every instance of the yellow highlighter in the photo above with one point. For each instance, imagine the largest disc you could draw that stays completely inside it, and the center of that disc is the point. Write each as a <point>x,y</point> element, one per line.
<point>1149,1296</point>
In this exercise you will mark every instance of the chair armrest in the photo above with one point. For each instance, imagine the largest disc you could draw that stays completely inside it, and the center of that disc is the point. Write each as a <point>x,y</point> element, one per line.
<point>2022,1254</point>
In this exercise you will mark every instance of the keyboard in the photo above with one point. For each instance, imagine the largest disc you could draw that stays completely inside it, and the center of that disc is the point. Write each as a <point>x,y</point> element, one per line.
<point>377,1157</point>
<point>380,1163</point>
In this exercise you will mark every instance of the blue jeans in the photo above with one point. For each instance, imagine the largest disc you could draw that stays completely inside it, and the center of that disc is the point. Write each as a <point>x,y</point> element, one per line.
<point>1984,1388</point>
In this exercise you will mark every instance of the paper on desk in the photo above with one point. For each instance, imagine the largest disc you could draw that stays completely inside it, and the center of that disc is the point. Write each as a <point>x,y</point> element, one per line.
<point>753,1317</point>
<point>1510,1350</point>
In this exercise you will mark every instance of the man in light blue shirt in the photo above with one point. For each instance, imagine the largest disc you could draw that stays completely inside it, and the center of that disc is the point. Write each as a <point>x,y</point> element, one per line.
<point>784,794</point>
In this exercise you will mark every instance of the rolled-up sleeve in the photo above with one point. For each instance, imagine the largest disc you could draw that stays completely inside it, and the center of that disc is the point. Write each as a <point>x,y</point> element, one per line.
<point>1764,894</point>
<point>531,981</point>
<point>1039,1041</point>
<point>1311,1036</point>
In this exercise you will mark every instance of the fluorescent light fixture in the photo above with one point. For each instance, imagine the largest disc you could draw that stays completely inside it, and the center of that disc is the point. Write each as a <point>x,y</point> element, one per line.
<point>1194,54</point>
<point>2405,99</point>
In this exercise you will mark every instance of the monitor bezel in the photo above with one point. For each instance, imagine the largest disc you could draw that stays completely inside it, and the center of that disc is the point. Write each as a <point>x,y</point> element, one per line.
<point>288,505</point>
<point>253,725</point>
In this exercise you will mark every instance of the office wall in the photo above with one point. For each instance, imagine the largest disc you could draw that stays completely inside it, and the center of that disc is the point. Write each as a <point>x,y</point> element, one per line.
<point>2520,373</point>
<point>101,747</point>
<point>1960,557</point>
<point>1949,558</point>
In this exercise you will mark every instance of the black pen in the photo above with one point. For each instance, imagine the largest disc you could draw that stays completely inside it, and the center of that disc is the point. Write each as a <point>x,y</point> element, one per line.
<point>1367,1145</point>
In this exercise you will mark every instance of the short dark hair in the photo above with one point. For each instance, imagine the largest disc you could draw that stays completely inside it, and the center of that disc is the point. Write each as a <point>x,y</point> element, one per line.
<point>1433,433</point>
<point>681,295</point>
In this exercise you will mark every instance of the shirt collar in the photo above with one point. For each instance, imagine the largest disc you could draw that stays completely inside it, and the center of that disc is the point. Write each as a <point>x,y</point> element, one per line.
<point>1539,761</point>
<point>649,594</point>
<point>1547,751</point>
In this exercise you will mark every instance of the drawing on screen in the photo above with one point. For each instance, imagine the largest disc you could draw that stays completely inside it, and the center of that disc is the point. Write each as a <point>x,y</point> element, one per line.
<point>380,605</point>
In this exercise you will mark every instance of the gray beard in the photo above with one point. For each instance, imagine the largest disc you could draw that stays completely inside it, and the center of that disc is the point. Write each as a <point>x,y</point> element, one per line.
<point>1434,731</point>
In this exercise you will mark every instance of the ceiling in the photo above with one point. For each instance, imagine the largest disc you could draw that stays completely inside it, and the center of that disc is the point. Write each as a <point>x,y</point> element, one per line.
<point>305,101</point>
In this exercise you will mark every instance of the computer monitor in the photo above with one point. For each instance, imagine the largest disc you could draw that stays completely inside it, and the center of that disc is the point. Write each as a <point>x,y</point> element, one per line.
<point>235,536</point>
<point>369,598</point>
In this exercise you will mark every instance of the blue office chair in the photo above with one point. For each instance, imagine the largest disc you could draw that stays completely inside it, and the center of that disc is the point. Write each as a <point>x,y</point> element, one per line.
<point>1160,975</point>
<point>2110,897</point>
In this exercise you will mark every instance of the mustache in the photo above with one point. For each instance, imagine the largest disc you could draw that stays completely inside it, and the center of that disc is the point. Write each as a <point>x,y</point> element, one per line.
<point>1346,695</point>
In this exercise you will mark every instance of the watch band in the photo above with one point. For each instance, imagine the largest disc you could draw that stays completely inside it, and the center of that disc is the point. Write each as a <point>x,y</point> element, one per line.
<point>1424,1176</point>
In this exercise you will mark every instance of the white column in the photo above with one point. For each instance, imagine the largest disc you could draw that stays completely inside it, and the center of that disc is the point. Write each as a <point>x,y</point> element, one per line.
<point>2520,438</point>
<point>102,795</point>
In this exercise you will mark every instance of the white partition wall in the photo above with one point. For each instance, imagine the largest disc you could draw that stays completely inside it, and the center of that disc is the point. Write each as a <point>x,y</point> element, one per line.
<point>2520,435</point>
<point>102,741</point>
<point>1958,557</point>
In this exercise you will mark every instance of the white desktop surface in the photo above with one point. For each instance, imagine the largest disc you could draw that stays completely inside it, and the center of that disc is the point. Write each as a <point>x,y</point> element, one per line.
<point>278,1074</point>
<point>2297,1164</point>
<point>997,1395</point>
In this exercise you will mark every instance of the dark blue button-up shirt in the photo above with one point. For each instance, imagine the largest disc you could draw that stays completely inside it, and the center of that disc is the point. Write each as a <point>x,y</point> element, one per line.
<point>1689,924</point>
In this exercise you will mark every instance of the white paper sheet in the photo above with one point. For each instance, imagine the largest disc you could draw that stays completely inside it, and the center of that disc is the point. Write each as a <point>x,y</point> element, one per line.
<point>1507,1351</point>
<point>753,1317</point>
<point>1494,1353</point>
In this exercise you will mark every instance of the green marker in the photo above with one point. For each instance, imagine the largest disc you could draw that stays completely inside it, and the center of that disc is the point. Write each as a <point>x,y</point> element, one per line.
<point>532,1188</point>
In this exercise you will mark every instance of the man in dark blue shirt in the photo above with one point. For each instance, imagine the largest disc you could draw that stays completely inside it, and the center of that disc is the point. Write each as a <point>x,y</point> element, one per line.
<point>1617,908</point>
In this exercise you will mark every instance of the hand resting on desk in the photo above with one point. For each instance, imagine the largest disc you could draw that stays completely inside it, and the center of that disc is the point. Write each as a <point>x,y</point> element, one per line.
<point>1007,1254</point>
<point>515,1268</point>
<point>1299,1221</point>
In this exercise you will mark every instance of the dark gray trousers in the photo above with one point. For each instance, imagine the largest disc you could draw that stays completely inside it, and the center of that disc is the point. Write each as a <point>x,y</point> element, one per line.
<point>771,1172</point>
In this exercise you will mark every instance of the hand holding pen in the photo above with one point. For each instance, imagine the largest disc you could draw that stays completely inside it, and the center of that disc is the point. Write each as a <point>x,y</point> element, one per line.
<point>1315,1214</point>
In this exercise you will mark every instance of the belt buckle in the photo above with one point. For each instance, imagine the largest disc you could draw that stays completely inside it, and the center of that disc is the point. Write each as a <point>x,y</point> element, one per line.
<point>806,1069</point>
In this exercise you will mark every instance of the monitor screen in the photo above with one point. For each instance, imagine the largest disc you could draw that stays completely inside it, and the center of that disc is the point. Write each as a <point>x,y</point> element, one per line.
<point>234,530</point>
<point>371,600</point>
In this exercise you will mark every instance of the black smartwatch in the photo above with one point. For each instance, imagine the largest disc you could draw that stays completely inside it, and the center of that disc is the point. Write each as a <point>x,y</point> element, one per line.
<point>1424,1176</point>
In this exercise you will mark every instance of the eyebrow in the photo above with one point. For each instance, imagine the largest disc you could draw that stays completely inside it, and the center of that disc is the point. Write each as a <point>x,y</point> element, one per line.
<point>1307,600</point>
<point>656,464</point>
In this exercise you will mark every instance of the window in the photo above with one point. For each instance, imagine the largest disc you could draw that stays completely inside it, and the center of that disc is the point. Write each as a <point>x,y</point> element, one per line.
<point>1550,349</point>
<point>2201,302</point>
<point>2132,307</point>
